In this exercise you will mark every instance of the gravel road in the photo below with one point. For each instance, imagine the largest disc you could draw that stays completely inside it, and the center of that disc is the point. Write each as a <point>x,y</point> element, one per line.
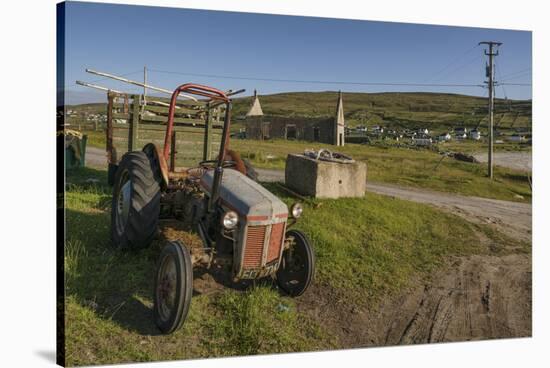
<point>514,160</point>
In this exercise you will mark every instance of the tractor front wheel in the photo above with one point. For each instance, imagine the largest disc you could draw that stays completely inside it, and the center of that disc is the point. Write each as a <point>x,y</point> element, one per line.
<point>173,287</point>
<point>297,265</point>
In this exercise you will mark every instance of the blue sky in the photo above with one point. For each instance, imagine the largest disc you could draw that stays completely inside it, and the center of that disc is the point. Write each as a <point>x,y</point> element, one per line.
<point>121,39</point>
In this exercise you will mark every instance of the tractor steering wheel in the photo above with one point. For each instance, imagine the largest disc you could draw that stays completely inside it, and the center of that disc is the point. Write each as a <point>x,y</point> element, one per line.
<point>211,164</point>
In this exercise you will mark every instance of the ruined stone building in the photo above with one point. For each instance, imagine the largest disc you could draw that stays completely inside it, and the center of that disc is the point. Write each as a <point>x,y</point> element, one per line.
<point>321,129</point>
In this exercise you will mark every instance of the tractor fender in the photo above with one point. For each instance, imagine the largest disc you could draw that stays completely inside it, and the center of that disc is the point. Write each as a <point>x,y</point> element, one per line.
<point>154,153</point>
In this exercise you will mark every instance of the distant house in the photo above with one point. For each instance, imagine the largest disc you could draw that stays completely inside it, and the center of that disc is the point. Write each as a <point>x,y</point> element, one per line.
<point>461,130</point>
<point>475,135</point>
<point>516,138</point>
<point>460,137</point>
<point>423,131</point>
<point>444,137</point>
<point>361,128</point>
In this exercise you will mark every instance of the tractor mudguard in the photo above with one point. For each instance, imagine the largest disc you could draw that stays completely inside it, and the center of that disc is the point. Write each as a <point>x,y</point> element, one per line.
<point>155,155</point>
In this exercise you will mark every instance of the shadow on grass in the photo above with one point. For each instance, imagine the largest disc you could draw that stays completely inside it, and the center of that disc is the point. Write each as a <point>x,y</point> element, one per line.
<point>116,285</point>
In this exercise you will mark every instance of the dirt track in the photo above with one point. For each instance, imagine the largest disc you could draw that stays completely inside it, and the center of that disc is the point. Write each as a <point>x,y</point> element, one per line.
<point>513,160</point>
<point>475,298</point>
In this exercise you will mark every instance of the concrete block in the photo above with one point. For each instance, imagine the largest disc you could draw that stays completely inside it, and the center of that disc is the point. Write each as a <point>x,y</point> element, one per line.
<point>322,179</point>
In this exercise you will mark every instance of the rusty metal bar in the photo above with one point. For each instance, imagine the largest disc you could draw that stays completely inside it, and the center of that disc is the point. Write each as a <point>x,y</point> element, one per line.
<point>195,89</point>
<point>173,153</point>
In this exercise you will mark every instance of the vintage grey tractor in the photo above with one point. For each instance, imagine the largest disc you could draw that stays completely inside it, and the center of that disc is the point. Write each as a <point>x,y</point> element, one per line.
<point>237,219</point>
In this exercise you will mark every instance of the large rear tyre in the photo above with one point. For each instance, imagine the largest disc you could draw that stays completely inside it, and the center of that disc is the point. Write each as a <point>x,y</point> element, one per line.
<point>297,265</point>
<point>173,287</point>
<point>136,202</point>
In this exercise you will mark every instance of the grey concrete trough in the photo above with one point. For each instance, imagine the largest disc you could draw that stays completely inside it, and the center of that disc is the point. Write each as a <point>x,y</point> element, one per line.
<point>323,179</point>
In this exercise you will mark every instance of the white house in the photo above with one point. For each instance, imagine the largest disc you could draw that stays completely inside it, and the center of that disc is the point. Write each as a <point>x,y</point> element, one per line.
<point>460,137</point>
<point>423,131</point>
<point>475,135</point>
<point>444,137</point>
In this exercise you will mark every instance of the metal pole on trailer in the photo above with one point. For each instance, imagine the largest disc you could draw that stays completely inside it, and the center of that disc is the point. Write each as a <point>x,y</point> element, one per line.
<point>144,85</point>
<point>86,84</point>
<point>139,84</point>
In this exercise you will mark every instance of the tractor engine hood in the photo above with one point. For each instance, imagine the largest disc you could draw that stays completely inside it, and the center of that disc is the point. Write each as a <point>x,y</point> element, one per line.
<point>246,197</point>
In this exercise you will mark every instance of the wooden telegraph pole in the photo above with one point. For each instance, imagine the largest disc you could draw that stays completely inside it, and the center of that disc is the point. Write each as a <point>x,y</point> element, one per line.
<point>491,85</point>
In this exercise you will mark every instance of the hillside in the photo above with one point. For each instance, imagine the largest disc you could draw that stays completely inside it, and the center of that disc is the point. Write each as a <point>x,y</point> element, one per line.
<point>399,110</point>
<point>436,111</point>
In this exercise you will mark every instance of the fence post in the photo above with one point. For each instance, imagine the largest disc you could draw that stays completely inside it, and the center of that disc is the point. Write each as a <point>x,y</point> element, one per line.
<point>111,155</point>
<point>207,149</point>
<point>134,124</point>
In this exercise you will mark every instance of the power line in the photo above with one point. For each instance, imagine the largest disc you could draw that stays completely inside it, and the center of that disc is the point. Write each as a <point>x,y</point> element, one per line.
<point>497,67</point>
<point>317,81</point>
<point>518,72</point>
<point>517,84</point>
<point>478,57</point>
<point>454,61</point>
<point>516,77</point>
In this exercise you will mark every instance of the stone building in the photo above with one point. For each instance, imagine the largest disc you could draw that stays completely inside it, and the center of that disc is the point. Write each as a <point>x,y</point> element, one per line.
<point>319,129</point>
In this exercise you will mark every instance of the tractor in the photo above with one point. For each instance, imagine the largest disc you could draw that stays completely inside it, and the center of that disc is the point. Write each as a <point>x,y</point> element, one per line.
<point>237,220</point>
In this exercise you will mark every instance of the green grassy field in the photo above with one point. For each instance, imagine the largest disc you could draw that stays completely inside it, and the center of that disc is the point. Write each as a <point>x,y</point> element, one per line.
<point>366,248</point>
<point>415,168</point>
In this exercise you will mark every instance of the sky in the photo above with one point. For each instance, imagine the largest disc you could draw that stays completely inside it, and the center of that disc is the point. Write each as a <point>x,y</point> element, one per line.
<point>276,53</point>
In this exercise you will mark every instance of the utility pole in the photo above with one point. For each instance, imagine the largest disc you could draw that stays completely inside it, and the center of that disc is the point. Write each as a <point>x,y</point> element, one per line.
<point>490,74</point>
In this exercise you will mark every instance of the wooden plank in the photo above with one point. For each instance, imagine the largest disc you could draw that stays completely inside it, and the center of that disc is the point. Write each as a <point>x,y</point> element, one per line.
<point>178,111</point>
<point>180,101</point>
<point>164,119</point>
<point>178,128</point>
<point>121,115</point>
<point>134,125</point>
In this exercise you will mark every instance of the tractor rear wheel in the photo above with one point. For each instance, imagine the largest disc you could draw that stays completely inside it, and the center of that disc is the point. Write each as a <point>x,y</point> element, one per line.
<point>173,287</point>
<point>136,202</point>
<point>297,265</point>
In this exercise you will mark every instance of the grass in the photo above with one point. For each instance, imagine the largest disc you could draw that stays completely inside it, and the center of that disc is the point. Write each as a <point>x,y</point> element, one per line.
<point>95,138</point>
<point>366,248</point>
<point>401,166</point>
<point>415,168</point>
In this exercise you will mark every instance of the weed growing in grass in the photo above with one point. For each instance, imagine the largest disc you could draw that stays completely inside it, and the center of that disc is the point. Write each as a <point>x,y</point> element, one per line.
<point>261,321</point>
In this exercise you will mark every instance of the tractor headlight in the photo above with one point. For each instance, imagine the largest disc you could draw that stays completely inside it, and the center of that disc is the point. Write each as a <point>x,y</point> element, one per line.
<point>296,210</point>
<point>230,220</point>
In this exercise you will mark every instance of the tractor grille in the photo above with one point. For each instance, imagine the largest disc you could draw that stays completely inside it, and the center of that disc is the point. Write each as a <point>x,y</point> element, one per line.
<point>254,246</point>
<point>275,241</point>
<point>255,240</point>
